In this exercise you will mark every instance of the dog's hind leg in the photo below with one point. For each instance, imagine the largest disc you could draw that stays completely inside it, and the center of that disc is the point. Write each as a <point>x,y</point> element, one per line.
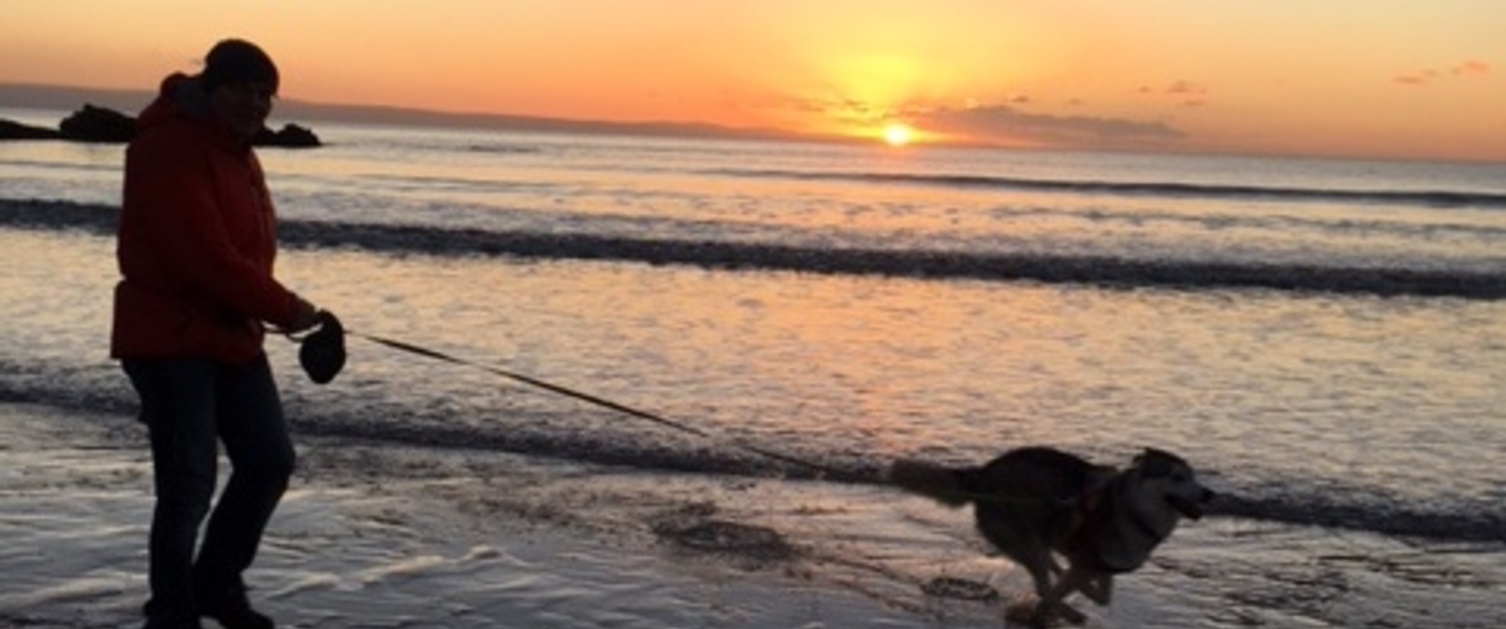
<point>1053,602</point>
<point>1056,566</point>
<point>1099,589</point>
<point>1042,568</point>
<point>1048,604</point>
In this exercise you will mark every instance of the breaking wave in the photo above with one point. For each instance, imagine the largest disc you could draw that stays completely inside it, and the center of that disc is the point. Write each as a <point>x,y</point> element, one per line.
<point>1427,198</point>
<point>925,264</point>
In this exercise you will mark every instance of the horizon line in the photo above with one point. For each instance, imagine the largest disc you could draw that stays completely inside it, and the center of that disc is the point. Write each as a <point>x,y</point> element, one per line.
<point>131,100</point>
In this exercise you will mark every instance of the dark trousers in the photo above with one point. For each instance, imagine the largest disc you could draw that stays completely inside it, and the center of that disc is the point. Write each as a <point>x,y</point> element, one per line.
<point>190,406</point>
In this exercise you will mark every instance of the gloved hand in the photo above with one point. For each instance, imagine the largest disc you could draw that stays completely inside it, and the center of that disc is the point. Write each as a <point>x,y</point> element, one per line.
<point>323,352</point>
<point>304,318</point>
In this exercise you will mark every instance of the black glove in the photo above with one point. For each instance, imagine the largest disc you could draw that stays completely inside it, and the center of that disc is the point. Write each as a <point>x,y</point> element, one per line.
<point>323,352</point>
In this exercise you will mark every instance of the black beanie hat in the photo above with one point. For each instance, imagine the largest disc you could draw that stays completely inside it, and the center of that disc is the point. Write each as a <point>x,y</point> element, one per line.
<point>237,61</point>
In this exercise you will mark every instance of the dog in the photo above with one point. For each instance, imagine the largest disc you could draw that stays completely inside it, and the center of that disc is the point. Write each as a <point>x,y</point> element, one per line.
<point>1034,503</point>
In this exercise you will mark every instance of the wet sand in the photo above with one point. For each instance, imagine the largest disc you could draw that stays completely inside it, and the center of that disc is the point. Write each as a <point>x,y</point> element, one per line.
<point>377,552</point>
<point>377,535</point>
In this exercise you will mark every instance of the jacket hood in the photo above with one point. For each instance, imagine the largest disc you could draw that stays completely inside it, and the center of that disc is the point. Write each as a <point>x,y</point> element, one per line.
<point>182,98</point>
<point>179,96</point>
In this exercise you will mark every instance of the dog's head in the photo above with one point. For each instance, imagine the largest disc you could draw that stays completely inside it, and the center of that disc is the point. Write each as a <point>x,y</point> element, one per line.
<point>1172,478</point>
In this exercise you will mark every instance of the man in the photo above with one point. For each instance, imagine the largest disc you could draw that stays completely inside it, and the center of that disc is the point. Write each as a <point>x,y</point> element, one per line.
<point>196,247</point>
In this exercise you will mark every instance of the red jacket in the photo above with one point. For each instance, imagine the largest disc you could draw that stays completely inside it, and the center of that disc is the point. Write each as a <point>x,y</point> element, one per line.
<point>197,239</point>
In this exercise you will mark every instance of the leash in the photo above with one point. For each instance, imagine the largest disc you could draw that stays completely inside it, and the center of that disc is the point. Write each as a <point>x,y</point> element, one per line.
<point>819,469</point>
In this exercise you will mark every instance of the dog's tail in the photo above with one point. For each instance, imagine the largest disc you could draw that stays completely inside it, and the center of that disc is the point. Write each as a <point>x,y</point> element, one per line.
<point>953,487</point>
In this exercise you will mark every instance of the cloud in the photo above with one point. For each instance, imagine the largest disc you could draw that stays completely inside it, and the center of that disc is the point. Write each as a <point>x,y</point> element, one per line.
<point>1183,88</point>
<point>1472,67</point>
<point>839,107</point>
<point>1009,124</point>
<point>1007,121</point>
<point>1422,77</point>
<point>1184,92</point>
<point>1469,68</point>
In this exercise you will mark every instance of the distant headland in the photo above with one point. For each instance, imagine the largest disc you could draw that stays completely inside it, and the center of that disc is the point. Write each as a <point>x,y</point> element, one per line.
<point>53,97</point>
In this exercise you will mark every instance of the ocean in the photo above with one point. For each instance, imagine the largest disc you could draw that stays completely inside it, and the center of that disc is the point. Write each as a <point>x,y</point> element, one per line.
<point>1325,340</point>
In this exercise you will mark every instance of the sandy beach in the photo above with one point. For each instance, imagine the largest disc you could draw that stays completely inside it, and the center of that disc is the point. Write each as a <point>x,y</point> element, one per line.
<point>347,552</point>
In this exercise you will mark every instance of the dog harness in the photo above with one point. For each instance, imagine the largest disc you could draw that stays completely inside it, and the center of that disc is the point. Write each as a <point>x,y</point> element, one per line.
<point>1097,509</point>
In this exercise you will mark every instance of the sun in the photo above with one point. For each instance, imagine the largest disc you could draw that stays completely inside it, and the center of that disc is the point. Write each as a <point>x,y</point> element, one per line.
<point>897,134</point>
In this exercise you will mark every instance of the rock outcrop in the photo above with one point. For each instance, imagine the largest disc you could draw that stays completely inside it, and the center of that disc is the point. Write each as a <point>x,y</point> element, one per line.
<point>107,126</point>
<point>290,136</point>
<point>98,124</point>
<point>11,130</point>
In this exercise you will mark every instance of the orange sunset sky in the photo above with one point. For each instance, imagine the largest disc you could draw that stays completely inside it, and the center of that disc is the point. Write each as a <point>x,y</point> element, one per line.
<point>1423,79</point>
